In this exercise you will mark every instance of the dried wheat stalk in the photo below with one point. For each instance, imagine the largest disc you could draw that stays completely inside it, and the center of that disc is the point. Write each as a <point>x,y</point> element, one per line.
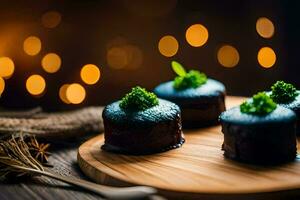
<point>15,157</point>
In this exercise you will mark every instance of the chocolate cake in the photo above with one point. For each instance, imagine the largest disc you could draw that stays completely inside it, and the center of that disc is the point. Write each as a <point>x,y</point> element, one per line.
<point>268,138</point>
<point>138,132</point>
<point>286,95</point>
<point>295,106</point>
<point>200,106</point>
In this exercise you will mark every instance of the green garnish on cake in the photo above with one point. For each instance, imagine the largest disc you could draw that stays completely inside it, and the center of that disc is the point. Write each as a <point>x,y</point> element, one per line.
<point>259,132</point>
<point>201,99</point>
<point>283,92</point>
<point>140,124</point>
<point>191,79</point>
<point>260,104</point>
<point>139,99</point>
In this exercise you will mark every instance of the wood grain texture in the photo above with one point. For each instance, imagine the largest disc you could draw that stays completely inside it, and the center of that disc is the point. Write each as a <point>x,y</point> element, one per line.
<point>195,170</point>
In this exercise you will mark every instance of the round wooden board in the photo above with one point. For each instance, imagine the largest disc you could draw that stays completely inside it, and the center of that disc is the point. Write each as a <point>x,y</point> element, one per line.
<point>197,169</point>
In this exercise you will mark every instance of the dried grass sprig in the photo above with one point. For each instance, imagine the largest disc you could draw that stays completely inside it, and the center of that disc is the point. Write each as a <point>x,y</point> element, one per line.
<point>16,159</point>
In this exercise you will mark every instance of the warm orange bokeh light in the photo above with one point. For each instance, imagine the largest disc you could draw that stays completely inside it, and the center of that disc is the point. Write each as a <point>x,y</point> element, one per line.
<point>266,57</point>
<point>228,56</point>
<point>63,93</point>
<point>134,55</point>
<point>2,85</point>
<point>51,19</point>
<point>7,67</point>
<point>196,35</point>
<point>168,46</point>
<point>117,58</point>
<point>35,84</point>
<point>32,45</point>
<point>51,62</point>
<point>121,55</point>
<point>265,27</point>
<point>90,74</point>
<point>75,93</point>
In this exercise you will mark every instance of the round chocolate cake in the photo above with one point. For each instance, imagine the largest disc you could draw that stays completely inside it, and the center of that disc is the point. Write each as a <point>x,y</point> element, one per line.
<point>259,139</point>
<point>200,106</point>
<point>295,106</point>
<point>287,95</point>
<point>139,132</point>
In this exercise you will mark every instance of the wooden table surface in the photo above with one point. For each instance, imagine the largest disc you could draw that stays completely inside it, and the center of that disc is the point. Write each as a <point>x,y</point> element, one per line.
<point>64,159</point>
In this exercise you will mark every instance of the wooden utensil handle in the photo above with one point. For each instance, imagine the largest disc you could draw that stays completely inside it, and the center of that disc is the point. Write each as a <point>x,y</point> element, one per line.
<point>123,193</point>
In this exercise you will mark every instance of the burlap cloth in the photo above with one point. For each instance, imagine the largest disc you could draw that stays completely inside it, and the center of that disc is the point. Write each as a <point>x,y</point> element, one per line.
<point>59,125</point>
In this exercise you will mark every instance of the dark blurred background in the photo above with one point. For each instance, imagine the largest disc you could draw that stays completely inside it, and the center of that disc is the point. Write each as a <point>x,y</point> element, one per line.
<point>247,45</point>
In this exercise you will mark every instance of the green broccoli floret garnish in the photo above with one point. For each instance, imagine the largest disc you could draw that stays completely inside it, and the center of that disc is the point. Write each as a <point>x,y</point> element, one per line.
<point>191,79</point>
<point>139,99</point>
<point>283,92</point>
<point>260,104</point>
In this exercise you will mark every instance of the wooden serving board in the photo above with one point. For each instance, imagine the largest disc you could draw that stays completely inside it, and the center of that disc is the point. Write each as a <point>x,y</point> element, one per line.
<point>197,169</point>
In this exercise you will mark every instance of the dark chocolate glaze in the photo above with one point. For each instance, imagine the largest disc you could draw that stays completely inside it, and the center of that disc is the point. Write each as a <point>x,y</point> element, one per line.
<point>200,106</point>
<point>268,139</point>
<point>294,106</point>
<point>150,131</point>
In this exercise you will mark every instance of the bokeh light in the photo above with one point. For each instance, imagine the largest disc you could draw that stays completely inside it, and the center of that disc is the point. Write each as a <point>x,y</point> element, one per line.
<point>7,67</point>
<point>51,19</point>
<point>228,56</point>
<point>168,46</point>
<point>117,58</point>
<point>63,93</point>
<point>265,27</point>
<point>32,45</point>
<point>75,93</point>
<point>51,62</point>
<point>266,57</point>
<point>90,74</point>
<point>35,84</point>
<point>196,35</point>
<point>134,56</point>
<point>123,55</point>
<point>2,85</point>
